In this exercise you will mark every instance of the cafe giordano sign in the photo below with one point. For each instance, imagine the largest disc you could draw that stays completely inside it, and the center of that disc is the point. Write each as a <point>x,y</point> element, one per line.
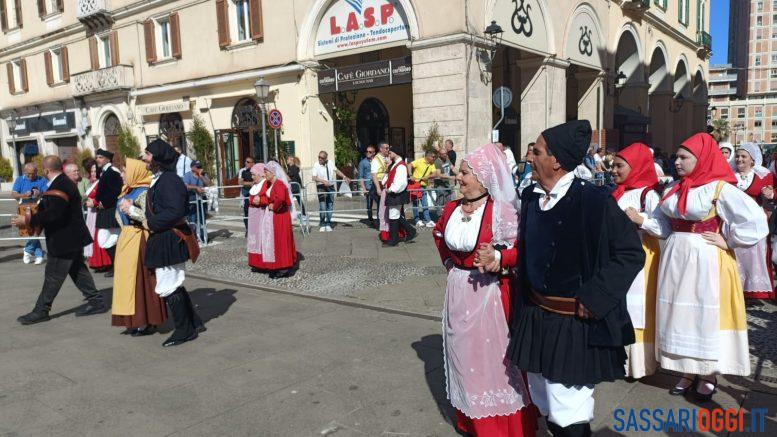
<point>525,24</point>
<point>354,24</point>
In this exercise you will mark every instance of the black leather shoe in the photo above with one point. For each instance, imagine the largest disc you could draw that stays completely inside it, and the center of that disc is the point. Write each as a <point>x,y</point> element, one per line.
<point>701,397</point>
<point>33,318</point>
<point>148,330</point>
<point>677,391</point>
<point>174,342</point>
<point>90,309</point>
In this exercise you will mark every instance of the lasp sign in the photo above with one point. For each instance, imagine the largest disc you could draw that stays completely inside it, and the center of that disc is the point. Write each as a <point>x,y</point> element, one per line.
<point>352,24</point>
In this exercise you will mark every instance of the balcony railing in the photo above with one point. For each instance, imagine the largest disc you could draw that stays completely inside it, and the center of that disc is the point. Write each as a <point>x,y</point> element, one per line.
<point>722,92</point>
<point>94,13</point>
<point>116,78</point>
<point>722,78</point>
<point>636,5</point>
<point>704,41</point>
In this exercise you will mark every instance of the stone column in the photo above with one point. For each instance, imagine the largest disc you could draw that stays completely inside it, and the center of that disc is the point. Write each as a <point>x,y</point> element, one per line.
<point>543,99</point>
<point>662,121</point>
<point>634,96</point>
<point>449,89</point>
<point>589,107</point>
<point>700,117</point>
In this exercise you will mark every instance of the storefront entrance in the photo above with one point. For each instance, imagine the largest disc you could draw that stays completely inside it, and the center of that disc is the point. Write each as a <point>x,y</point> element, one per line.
<point>243,140</point>
<point>111,130</point>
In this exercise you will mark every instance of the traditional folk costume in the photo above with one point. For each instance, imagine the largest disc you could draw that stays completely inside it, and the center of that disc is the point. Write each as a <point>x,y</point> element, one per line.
<point>701,325</point>
<point>171,242</point>
<point>638,191</point>
<point>97,257</point>
<point>755,262</point>
<point>257,208</point>
<point>577,248</point>
<point>135,304</point>
<point>488,392</point>
<point>278,251</point>
<point>109,188</point>
<point>393,224</point>
<point>730,148</point>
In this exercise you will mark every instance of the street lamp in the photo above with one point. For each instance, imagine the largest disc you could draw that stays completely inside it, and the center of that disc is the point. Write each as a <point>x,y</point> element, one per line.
<point>494,34</point>
<point>262,91</point>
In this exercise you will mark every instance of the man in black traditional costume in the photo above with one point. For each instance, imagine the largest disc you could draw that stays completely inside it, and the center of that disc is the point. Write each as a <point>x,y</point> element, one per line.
<point>579,256</point>
<point>167,250</point>
<point>108,190</point>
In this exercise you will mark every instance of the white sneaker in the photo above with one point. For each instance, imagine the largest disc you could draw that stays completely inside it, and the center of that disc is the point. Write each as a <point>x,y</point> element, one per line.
<point>430,224</point>
<point>27,258</point>
<point>38,260</point>
<point>329,229</point>
<point>419,224</point>
<point>322,229</point>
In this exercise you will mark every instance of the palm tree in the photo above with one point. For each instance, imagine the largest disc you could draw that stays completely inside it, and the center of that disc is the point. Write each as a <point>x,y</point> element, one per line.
<point>720,130</point>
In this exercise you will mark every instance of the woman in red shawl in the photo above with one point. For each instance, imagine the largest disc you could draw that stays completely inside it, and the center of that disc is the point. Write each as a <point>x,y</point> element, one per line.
<point>700,315</point>
<point>279,253</point>
<point>637,196</point>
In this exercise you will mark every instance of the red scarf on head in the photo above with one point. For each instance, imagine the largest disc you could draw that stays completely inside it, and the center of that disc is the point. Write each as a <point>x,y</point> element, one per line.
<point>643,172</point>
<point>710,166</point>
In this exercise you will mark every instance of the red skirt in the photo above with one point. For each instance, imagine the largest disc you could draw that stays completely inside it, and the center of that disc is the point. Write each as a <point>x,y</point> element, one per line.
<point>100,258</point>
<point>255,261</point>
<point>522,423</point>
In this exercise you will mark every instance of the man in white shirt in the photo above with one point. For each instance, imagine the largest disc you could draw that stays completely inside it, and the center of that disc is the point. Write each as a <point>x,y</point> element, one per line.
<point>325,176</point>
<point>184,163</point>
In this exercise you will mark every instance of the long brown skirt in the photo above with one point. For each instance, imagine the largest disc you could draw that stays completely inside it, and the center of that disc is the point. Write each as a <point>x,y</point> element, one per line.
<point>149,308</point>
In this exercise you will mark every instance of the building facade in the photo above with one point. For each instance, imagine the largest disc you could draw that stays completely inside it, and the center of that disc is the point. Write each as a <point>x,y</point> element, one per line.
<point>749,101</point>
<point>77,72</point>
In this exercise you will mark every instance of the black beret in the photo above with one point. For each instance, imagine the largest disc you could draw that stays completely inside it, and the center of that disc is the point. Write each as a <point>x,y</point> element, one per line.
<point>569,142</point>
<point>104,153</point>
<point>162,152</point>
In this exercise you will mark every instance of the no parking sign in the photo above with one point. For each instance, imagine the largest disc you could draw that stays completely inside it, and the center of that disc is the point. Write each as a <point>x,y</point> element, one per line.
<point>275,119</point>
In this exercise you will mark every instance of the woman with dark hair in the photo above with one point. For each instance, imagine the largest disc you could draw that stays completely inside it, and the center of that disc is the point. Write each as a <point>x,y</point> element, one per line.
<point>701,326</point>
<point>89,166</point>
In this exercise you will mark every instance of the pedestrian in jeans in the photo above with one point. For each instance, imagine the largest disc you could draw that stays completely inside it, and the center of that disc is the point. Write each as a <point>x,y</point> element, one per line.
<point>196,181</point>
<point>444,178</point>
<point>365,182</point>
<point>27,189</point>
<point>325,176</point>
<point>422,170</point>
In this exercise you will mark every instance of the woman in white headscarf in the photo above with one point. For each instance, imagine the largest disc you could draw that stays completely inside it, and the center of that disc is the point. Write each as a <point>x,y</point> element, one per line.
<point>755,266</point>
<point>257,208</point>
<point>279,253</point>
<point>488,392</point>
<point>727,149</point>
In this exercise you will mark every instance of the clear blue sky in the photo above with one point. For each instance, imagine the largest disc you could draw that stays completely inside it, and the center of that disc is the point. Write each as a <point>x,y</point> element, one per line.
<point>719,31</point>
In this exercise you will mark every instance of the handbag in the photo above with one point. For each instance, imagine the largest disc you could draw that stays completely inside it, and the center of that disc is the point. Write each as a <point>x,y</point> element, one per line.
<point>28,210</point>
<point>416,192</point>
<point>397,199</point>
<point>185,235</point>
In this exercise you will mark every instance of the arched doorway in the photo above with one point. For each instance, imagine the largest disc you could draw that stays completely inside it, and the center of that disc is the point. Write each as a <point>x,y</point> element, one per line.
<point>243,140</point>
<point>111,130</point>
<point>682,106</point>
<point>372,123</point>
<point>172,130</point>
<point>700,103</point>
<point>660,100</point>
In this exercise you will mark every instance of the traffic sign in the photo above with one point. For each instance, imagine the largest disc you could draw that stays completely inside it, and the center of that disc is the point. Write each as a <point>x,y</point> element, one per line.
<point>275,118</point>
<point>503,97</point>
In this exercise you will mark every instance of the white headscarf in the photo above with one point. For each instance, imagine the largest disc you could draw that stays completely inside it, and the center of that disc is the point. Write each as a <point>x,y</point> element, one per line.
<point>755,152</point>
<point>276,169</point>
<point>490,167</point>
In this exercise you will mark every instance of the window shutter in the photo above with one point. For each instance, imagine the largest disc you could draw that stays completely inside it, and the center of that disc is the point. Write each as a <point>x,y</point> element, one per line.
<point>222,19</point>
<point>61,5</point>
<point>257,23</point>
<point>18,13</point>
<point>3,16</point>
<point>49,72</point>
<point>175,34</point>
<point>11,85</point>
<point>150,34</point>
<point>25,84</point>
<point>41,7</point>
<point>114,41</point>
<point>93,57</point>
<point>65,64</point>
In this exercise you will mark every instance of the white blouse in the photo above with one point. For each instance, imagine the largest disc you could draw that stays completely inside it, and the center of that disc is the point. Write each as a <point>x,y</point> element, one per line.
<point>744,182</point>
<point>744,221</point>
<point>655,224</point>
<point>461,236</point>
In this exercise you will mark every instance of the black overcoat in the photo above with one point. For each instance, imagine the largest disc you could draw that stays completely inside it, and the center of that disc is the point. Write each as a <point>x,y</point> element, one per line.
<point>108,191</point>
<point>62,222</point>
<point>166,209</point>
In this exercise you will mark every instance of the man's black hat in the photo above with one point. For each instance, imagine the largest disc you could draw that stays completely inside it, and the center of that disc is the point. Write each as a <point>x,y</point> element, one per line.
<point>569,142</point>
<point>104,153</point>
<point>162,152</point>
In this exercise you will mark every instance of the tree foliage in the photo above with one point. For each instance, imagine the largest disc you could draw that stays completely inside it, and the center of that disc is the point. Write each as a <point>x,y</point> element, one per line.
<point>345,138</point>
<point>432,136</point>
<point>6,171</point>
<point>203,144</point>
<point>720,130</point>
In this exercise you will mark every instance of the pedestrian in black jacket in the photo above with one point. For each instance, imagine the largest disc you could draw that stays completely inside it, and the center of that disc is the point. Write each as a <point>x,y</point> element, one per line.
<point>61,218</point>
<point>108,190</point>
<point>166,250</point>
<point>579,257</point>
